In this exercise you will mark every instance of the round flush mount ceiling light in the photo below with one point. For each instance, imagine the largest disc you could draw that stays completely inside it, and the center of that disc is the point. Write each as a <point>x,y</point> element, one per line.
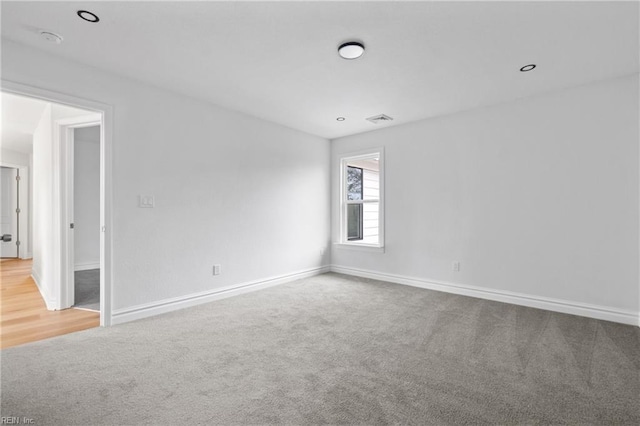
<point>88,16</point>
<point>51,37</point>
<point>340,119</point>
<point>351,50</point>
<point>526,68</point>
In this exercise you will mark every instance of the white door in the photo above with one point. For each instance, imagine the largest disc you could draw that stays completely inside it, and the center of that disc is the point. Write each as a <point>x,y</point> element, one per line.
<point>8,212</point>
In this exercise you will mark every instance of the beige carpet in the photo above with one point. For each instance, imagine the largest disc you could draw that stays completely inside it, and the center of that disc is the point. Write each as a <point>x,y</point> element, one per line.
<point>333,350</point>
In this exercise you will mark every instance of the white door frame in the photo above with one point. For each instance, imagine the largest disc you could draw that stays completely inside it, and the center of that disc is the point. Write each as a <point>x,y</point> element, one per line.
<point>61,206</point>
<point>64,132</point>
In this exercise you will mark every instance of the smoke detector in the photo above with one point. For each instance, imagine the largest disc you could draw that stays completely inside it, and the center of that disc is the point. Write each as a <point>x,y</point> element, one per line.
<point>379,118</point>
<point>51,37</point>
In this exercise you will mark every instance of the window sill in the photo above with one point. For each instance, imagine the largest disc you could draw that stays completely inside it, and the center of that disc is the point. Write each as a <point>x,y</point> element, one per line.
<point>360,247</point>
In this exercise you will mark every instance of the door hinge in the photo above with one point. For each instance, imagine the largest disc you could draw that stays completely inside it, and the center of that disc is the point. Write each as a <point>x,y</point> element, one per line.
<point>18,177</point>
<point>71,225</point>
<point>18,242</point>
<point>18,210</point>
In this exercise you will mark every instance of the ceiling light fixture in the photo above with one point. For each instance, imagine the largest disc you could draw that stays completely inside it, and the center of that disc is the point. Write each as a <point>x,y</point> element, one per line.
<point>527,68</point>
<point>351,50</point>
<point>51,37</point>
<point>88,16</point>
<point>340,119</point>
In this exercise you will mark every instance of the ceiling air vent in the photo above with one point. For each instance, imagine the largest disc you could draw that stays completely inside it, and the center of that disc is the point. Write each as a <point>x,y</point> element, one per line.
<point>379,119</point>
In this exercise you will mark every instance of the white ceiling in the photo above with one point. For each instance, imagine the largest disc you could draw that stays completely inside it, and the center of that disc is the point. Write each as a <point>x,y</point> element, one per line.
<point>278,60</point>
<point>20,117</point>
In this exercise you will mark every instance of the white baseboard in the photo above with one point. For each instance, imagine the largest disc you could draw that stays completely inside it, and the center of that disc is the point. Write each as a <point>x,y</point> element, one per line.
<point>556,305</point>
<point>48,301</point>
<point>85,266</point>
<point>168,305</point>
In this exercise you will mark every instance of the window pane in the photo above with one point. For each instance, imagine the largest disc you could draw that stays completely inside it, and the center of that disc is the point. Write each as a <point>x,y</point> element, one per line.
<point>354,183</point>
<point>362,205</point>
<point>354,222</point>
<point>370,223</point>
<point>370,184</point>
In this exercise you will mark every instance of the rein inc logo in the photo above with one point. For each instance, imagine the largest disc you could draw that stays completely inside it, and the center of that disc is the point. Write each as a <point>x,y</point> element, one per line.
<point>17,421</point>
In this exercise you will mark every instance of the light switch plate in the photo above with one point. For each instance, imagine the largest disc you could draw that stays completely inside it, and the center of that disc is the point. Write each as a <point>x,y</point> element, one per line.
<point>146,201</point>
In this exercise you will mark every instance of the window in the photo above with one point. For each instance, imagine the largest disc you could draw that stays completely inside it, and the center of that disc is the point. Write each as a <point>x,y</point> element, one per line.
<point>361,200</point>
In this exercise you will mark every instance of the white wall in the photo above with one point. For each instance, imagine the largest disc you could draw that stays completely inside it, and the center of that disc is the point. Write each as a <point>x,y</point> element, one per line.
<point>229,189</point>
<point>42,212</point>
<point>86,198</point>
<point>44,253</point>
<point>537,197</point>
<point>15,158</point>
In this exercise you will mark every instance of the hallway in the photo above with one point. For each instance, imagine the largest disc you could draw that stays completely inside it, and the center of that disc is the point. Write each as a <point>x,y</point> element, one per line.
<point>24,317</point>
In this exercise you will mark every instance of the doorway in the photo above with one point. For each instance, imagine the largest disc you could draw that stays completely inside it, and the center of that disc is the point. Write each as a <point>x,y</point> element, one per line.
<point>56,259</point>
<point>85,149</point>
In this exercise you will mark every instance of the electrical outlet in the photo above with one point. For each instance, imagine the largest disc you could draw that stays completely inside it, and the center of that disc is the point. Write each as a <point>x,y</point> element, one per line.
<point>456,266</point>
<point>216,269</point>
<point>146,201</point>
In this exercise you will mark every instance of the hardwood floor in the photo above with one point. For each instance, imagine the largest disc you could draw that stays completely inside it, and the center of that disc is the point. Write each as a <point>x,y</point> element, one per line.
<point>23,315</point>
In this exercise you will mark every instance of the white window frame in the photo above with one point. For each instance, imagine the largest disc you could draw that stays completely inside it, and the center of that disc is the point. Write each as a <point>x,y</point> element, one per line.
<point>344,161</point>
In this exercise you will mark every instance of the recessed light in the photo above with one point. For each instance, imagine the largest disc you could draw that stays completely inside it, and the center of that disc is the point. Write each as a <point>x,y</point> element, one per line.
<point>351,50</point>
<point>51,37</point>
<point>340,118</point>
<point>88,16</point>
<point>528,67</point>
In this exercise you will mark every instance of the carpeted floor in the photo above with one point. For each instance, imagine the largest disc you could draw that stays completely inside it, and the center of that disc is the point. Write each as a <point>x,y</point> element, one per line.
<point>87,289</point>
<point>333,350</point>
